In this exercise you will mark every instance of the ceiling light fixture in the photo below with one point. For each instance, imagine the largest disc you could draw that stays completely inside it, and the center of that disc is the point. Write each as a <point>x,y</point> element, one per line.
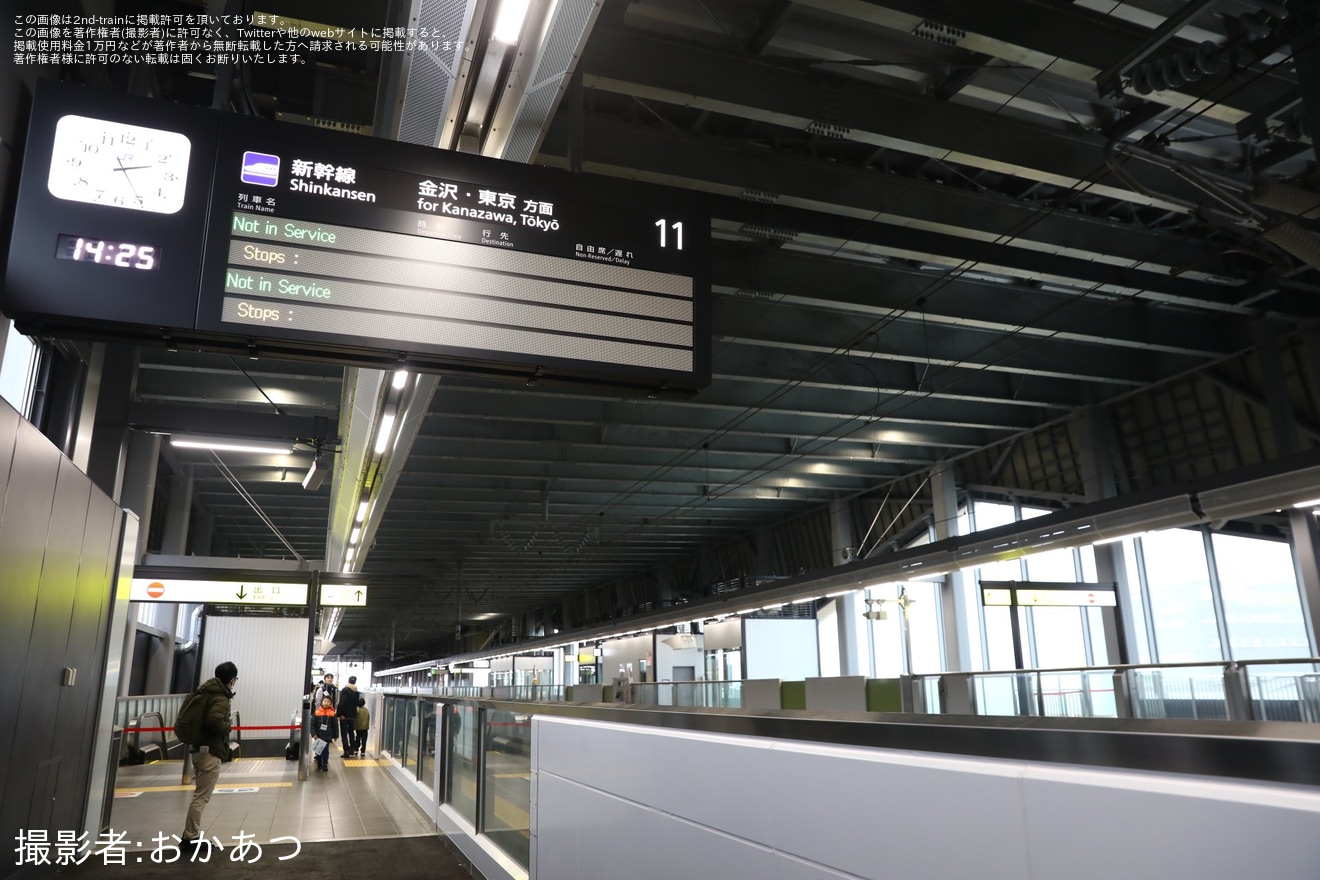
<point>383,436</point>
<point>400,379</point>
<point>362,511</point>
<point>231,444</point>
<point>355,534</point>
<point>509,21</point>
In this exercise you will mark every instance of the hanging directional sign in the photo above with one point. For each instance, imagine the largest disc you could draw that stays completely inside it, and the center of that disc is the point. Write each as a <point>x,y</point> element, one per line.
<point>217,592</point>
<point>1048,593</point>
<point>344,594</point>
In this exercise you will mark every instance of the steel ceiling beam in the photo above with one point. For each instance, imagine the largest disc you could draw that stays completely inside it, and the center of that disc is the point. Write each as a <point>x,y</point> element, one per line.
<point>642,66</point>
<point>1090,40</point>
<point>719,166</point>
<point>780,275</point>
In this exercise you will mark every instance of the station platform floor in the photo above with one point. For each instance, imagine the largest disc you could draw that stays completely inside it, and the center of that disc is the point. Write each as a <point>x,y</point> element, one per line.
<point>354,820</point>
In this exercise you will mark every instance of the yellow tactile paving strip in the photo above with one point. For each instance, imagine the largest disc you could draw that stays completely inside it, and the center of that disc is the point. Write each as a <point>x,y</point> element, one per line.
<point>228,784</point>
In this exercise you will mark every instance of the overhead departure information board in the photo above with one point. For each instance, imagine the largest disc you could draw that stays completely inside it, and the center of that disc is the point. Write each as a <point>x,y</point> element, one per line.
<point>357,249</point>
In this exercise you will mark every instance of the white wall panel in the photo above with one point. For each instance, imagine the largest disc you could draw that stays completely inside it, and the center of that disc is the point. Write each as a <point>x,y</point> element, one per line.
<point>617,800</point>
<point>780,648</point>
<point>833,805</point>
<point>271,653</point>
<point>1132,824</point>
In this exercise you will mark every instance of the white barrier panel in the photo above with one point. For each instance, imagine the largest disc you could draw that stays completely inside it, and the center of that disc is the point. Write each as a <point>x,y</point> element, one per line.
<point>611,795</point>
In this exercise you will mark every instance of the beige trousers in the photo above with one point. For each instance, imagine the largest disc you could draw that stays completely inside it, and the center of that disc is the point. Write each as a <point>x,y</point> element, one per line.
<point>206,770</point>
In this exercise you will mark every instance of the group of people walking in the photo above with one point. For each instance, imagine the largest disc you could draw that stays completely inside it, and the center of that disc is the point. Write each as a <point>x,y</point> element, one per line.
<point>340,713</point>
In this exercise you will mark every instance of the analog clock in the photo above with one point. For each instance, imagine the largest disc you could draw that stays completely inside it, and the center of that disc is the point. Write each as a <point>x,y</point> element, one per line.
<point>119,165</point>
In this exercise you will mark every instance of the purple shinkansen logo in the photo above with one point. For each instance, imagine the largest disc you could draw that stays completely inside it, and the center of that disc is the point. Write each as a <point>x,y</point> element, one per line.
<point>262,169</point>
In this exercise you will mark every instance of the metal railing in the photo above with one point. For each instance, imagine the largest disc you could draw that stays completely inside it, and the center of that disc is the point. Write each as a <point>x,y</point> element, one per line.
<point>130,709</point>
<point>1253,690</point>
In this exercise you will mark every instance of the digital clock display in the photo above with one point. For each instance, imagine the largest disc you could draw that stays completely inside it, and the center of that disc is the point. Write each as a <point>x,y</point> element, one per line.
<point>124,254</point>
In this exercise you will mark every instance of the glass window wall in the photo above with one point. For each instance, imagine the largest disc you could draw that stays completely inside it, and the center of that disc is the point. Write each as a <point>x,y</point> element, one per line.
<point>1262,604</point>
<point>1178,584</point>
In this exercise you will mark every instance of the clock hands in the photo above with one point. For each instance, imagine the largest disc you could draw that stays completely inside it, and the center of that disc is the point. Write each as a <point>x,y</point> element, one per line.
<point>128,178</point>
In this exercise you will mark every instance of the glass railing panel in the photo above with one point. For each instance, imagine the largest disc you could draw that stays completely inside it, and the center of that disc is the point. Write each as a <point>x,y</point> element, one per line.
<point>1192,692</point>
<point>1006,693</point>
<point>508,791</point>
<point>461,761</point>
<point>930,695</point>
<point>1099,685</point>
<point>1284,691</point>
<point>1082,693</point>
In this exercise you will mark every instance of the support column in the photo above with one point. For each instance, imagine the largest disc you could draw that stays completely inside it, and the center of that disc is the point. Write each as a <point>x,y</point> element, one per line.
<point>138,486</point>
<point>765,553</point>
<point>139,483</point>
<point>175,542</point>
<point>202,534</point>
<point>843,545</point>
<point>1091,433</point>
<point>1306,58</point>
<point>108,444</point>
<point>958,621</point>
<point>1283,419</point>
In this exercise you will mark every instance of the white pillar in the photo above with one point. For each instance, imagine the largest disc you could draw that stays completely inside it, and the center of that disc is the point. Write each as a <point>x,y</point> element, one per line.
<point>958,619</point>
<point>842,547</point>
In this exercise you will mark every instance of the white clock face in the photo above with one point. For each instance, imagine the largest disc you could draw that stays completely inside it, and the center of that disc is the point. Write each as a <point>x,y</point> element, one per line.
<point>118,165</point>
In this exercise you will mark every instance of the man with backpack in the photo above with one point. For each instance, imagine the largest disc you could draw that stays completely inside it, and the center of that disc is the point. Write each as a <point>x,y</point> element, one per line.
<point>203,723</point>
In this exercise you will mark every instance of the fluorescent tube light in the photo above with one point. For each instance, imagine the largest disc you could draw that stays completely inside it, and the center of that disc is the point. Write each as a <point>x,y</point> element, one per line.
<point>231,444</point>
<point>1314,502</point>
<point>383,436</point>
<point>362,511</point>
<point>349,554</point>
<point>509,21</point>
<point>355,534</point>
<point>400,379</point>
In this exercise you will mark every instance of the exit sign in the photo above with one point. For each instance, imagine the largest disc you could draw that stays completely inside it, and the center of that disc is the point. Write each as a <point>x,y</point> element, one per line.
<point>344,594</point>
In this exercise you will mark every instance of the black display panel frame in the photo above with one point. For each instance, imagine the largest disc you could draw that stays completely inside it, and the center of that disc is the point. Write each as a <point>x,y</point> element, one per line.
<point>382,201</point>
<point>652,303</point>
<point>45,293</point>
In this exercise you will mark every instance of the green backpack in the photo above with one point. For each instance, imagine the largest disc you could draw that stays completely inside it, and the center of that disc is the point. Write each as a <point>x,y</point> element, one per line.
<point>190,723</point>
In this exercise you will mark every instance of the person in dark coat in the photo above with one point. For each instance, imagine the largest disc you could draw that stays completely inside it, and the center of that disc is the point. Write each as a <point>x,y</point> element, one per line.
<point>325,727</point>
<point>207,757</point>
<point>347,713</point>
<point>326,689</point>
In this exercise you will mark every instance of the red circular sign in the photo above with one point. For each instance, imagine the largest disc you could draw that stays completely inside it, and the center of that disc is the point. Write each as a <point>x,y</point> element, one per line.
<point>155,589</point>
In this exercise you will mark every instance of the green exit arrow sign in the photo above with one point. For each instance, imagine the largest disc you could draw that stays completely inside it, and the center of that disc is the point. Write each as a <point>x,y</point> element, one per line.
<point>343,595</point>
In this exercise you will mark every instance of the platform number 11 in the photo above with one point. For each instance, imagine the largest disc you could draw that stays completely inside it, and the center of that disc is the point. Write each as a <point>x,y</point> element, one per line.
<point>677,226</point>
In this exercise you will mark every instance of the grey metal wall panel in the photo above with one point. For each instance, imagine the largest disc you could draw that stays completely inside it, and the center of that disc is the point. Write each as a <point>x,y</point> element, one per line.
<point>44,699</point>
<point>24,520</point>
<point>90,633</point>
<point>271,653</point>
<point>77,709</point>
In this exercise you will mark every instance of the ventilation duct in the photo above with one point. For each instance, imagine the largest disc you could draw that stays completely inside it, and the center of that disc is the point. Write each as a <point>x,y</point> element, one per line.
<point>194,631</point>
<point>522,117</point>
<point>432,71</point>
